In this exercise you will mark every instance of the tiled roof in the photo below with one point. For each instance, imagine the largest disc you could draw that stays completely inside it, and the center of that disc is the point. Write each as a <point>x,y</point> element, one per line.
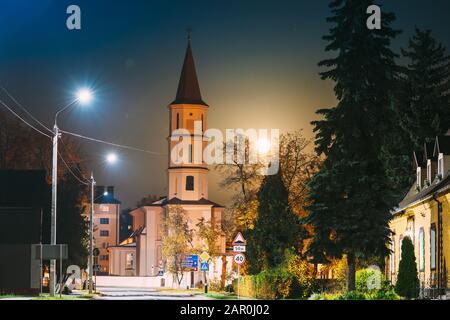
<point>108,199</point>
<point>177,201</point>
<point>413,196</point>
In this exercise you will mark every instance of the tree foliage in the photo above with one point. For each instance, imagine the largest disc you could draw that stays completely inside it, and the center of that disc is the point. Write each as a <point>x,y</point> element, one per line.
<point>351,196</point>
<point>177,240</point>
<point>276,228</point>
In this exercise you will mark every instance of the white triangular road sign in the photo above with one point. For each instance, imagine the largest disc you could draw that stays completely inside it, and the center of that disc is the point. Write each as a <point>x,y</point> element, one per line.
<point>239,240</point>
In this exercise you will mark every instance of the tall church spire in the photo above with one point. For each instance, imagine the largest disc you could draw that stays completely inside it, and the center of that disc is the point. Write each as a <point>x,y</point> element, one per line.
<point>188,87</point>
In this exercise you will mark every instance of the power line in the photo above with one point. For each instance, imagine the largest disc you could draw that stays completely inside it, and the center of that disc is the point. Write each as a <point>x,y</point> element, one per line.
<point>113,144</point>
<point>23,120</point>
<point>70,170</point>
<point>25,110</point>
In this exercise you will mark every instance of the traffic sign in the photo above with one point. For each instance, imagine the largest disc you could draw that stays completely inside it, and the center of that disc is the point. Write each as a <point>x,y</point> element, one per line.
<point>239,240</point>
<point>96,252</point>
<point>239,248</point>
<point>190,263</point>
<point>239,258</point>
<point>204,266</point>
<point>96,267</point>
<point>204,256</point>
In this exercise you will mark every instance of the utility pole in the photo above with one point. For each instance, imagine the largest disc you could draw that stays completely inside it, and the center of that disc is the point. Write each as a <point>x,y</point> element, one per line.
<point>91,235</point>
<point>53,211</point>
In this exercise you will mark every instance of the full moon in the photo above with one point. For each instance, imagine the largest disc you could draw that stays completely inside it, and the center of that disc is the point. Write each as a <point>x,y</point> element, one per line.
<point>263,146</point>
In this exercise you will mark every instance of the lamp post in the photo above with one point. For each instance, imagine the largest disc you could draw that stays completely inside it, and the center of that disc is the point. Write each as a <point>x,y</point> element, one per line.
<point>83,97</point>
<point>110,158</point>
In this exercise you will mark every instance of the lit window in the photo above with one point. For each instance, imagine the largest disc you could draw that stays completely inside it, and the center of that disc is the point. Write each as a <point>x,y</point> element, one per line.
<point>104,208</point>
<point>104,220</point>
<point>130,261</point>
<point>190,183</point>
<point>433,247</point>
<point>421,250</point>
<point>104,233</point>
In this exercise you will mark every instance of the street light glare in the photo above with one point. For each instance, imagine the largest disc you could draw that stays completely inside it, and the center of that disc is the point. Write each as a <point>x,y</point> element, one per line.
<point>111,158</point>
<point>84,96</point>
<point>105,193</point>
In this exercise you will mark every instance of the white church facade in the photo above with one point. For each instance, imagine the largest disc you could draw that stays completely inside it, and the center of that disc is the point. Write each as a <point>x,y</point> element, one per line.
<point>141,254</point>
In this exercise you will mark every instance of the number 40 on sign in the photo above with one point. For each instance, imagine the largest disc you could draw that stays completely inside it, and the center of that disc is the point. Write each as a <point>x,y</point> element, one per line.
<point>239,258</point>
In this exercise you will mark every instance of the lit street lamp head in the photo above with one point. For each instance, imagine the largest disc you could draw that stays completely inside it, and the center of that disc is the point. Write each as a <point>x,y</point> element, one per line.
<point>111,158</point>
<point>84,96</point>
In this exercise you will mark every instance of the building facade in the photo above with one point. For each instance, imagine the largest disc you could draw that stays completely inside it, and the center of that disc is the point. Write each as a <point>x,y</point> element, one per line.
<point>187,175</point>
<point>424,216</point>
<point>106,224</point>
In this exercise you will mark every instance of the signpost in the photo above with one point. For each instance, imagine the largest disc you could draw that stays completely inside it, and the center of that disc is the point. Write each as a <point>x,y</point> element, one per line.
<point>204,266</point>
<point>190,263</point>
<point>239,246</point>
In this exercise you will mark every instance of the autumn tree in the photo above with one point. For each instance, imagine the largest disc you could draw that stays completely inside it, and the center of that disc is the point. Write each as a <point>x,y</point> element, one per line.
<point>177,241</point>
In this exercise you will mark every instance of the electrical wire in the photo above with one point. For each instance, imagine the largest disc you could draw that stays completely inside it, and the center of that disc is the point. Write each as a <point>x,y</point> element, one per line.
<point>25,109</point>
<point>113,144</point>
<point>70,170</point>
<point>23,120</point>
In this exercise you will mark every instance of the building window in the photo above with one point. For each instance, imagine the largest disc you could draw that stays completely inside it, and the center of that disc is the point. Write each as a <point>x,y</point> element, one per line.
<point>393,256</point>
<point>129,262</point>
<point>190,153</point>
<point>104,233</point>
<point>203,127</point>
<point>104,208</point>
<point>104,257</point>
<point>104,220</point>
<point>441,165</point>
<point>433,247</point>
<point>421,250</point>
<point>178,121</point>
<point>190,183</point>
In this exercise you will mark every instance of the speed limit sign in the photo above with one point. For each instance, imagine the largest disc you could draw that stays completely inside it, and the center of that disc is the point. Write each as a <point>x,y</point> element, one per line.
<point>239,258</point>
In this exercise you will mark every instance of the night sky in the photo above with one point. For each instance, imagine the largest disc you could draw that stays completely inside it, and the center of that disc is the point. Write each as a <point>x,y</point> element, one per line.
<point>256,61</point>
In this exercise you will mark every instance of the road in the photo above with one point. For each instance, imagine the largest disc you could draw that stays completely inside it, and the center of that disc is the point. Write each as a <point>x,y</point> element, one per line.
<point>115,293</point>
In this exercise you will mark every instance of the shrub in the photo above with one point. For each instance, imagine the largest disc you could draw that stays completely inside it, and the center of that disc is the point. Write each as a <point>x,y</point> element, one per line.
<point>369,280</point>
<point>408,281</point>
<point>293,279</point>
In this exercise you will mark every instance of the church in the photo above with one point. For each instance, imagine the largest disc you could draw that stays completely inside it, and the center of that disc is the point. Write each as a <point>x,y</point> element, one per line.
<point>141,254</point>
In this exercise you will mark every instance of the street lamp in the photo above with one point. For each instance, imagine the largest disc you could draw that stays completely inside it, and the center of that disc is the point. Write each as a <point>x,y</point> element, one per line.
<point>83,96</point>
<point>111,158</point>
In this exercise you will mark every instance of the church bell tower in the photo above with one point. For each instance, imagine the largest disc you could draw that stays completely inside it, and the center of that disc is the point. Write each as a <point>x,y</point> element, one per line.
<point>188,181</point>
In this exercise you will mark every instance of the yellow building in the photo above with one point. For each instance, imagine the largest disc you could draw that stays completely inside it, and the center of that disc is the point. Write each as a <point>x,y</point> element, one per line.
<point>424,216</point>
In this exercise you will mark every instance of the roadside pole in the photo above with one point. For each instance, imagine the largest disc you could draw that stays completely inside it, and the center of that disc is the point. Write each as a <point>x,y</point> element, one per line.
<point>60,272</point>
<point>239,247</point>
<point>239,277</point>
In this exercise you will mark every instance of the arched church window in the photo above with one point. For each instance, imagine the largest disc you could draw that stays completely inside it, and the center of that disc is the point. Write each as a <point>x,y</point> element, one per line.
<point>190,183</point>
<point>190,153</point>
<point>178,121</point>
<point>203,126</point>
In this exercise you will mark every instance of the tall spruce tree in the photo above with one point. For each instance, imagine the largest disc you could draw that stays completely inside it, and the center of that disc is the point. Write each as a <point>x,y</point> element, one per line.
<point>276,226</point>
<point>408,282</point>
<point>425,96</point>
<point>351,197</point>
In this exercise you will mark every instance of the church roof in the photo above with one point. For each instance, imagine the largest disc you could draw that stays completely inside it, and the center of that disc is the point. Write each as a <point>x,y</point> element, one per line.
<point>177,201</point>
<point>188,88</point>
